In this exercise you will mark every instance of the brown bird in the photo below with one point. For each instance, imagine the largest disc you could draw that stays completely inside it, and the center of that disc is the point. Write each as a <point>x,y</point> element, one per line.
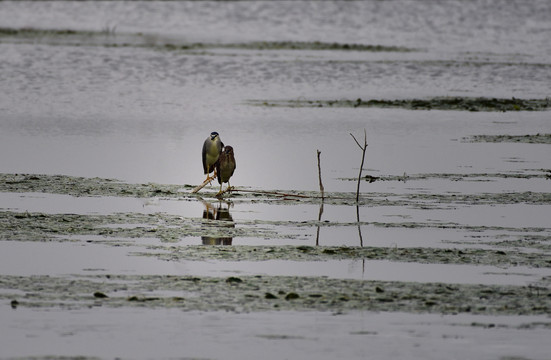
<point>225,167</point>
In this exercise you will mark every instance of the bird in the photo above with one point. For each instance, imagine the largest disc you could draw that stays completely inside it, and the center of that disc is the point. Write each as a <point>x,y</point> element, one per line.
<point>212,147</point>
<point>225,167</point>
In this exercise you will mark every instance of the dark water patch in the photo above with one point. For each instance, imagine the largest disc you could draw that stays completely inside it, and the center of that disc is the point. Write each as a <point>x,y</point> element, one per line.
<point>437,103</point>
<point>526,139</point>
<point>310,294</point>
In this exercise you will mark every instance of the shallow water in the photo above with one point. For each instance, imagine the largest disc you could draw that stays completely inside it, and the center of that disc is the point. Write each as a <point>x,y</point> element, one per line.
<point>105,332</point>
<point>133,89</point>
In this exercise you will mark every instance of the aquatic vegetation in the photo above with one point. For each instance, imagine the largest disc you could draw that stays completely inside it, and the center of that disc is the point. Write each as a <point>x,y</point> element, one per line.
<point>107,37</point>
<point>527,139</point>
<point>436,103</point>
<point>484,177</point>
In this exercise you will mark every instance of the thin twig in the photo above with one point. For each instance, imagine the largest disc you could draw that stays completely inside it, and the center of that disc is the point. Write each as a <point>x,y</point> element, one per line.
<point>353,137</point>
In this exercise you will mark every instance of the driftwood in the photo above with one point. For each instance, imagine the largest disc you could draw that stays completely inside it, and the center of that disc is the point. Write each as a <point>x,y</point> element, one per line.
<point>233,189</point>
<point>199,187</point>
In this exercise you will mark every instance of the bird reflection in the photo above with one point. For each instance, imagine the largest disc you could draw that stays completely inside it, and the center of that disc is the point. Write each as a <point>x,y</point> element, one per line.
<point>219,219</point>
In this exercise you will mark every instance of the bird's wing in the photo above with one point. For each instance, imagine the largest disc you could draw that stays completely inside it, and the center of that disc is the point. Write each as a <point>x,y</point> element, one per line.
<point>217,166</point>
<point>204,155</point>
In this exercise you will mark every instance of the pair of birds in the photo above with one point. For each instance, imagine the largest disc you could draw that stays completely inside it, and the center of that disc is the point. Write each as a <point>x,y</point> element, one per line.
<point>218,158</point>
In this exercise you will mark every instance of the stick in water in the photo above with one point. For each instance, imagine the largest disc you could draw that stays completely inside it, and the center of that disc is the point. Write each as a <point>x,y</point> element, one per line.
<point>319,175</point>
<point>364,147</point>
<point>199,187</point>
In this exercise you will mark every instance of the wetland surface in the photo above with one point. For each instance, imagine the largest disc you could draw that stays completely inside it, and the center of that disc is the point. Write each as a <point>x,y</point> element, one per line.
<point>105,252</point>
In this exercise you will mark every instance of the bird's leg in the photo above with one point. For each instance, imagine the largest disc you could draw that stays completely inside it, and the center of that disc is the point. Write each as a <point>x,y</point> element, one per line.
<point>219,192</point>
<point>209,178</point>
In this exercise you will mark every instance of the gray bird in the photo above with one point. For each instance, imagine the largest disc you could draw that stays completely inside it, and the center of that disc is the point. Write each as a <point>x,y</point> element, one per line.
<point>225,167</point>
<point>212,147</point>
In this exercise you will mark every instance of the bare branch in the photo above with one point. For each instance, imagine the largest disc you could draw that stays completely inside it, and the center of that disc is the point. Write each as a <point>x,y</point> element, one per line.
<point>199,187</point>
<point>363,148</point>
<point>319,175</point>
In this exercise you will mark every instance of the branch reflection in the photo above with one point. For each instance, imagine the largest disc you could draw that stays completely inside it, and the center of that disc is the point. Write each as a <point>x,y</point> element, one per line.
<point>359,227</point>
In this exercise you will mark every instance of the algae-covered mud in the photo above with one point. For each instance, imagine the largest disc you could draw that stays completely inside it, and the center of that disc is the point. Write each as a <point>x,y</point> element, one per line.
<point>444,253</point>
<point>166,235</point>
<point>260,293</point>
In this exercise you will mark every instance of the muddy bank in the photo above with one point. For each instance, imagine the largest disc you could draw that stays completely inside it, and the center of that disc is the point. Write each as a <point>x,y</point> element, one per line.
<point>436,103</point>
<point>80,186</point>
<point>310,253</point>
<point>262,293</point>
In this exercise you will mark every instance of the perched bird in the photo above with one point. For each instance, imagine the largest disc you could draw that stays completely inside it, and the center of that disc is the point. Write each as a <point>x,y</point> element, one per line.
<point>225,166</point>
<point>212,147</point>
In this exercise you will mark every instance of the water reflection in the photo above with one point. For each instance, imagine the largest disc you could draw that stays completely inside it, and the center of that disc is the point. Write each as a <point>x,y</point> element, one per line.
<point>359,227</point>
<point>217,216</point>
<point>319,219</point>
<point>320,214</point>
